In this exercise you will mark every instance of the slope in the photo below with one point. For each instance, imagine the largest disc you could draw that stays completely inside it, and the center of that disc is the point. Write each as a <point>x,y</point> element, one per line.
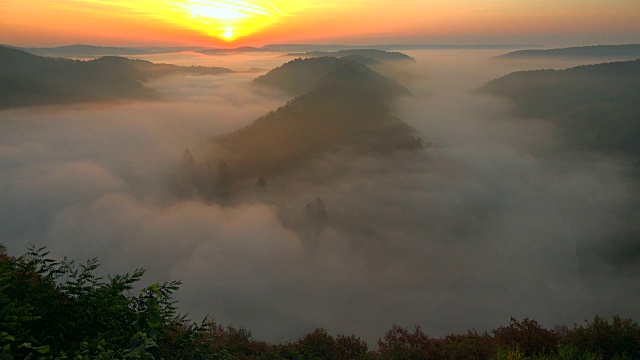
<point>596,106</point>
<point>348,106</point>
<point>612,52</point>
<point>27,79</point>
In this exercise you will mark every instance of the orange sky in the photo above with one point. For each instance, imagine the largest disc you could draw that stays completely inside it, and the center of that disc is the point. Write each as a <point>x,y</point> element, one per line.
<point>230,23</point>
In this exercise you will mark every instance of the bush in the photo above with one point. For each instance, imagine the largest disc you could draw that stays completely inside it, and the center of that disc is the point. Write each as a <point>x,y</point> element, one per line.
<point>618,339</point>
<point>527,336</point>
<point>61,310</point>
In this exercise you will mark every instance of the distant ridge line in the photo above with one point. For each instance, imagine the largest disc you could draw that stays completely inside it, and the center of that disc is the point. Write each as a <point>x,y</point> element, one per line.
<point>625,51</point>
<point>84,50</point>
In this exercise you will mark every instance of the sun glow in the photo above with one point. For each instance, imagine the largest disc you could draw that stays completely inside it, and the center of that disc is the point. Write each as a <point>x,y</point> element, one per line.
<point>228,34</point>
<point>225,20</point>
<point>257,22</point>
<point>228,19</point>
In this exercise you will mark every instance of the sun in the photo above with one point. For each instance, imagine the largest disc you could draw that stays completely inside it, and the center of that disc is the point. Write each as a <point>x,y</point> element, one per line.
<point>225,20</point>
<point>228,34</point>
<point>230,18</point>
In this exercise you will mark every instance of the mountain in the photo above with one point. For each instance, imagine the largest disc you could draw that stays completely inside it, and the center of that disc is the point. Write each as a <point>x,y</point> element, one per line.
<point>369,62</point>
<point>611,52</point>
<point>83,51</point>
<point>92,51</point>
<point>340,103</point>
<point>388,47</point>
<point>596,106</point>
<point>596,109</point>
<point>300,76</point>
<point>377,55</point>
<point>27,79</point>
<point>241,49</point>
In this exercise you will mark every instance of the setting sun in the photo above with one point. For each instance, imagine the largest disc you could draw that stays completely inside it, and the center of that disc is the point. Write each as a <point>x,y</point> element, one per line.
<point>259,22</point>
<point>222,17</point>
<point>228,34</point>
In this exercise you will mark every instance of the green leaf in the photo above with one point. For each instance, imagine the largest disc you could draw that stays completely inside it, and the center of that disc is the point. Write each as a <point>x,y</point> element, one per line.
<point>43,349</point>
<point>152,303</point>
<point>154,318</point>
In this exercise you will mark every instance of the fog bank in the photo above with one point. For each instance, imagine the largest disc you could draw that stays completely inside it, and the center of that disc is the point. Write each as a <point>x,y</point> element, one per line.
<point>481,225</point>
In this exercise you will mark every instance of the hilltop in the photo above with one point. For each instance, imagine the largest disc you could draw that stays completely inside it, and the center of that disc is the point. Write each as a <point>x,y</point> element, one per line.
<point>611,52</point>
<point>27,79</point>
<point>595,109</point>
<point>595,106</point>
<point>378,55</point>
<point>347,105</point>
<point>300,76</point>
<point>343,104</point>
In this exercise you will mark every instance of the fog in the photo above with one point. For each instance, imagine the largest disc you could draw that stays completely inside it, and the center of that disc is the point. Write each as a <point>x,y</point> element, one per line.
<point>481,225</point>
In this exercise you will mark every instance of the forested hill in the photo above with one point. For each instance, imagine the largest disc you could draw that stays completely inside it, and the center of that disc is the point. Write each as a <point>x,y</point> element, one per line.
<point>80,50</point>
<point>300,76</point>
<point>595,106</point>
<point>27,79</point>
<point>611,52</point>
<point>596,111</point>
<point>378,55</point>
<point>343,103</point>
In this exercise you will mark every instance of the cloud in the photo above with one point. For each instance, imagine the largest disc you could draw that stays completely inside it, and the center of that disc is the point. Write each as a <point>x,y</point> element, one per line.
<point>482,225</point>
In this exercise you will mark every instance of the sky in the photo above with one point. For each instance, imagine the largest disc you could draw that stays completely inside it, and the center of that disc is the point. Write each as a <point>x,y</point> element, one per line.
<point>232,23</point>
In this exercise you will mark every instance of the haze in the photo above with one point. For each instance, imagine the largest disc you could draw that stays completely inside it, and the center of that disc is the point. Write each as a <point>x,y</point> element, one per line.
<point>481,225</point>
<point>382,165</point>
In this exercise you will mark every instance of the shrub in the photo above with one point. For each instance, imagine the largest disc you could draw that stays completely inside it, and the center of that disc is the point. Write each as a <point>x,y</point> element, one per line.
<point>527,336</point>
<point>618,339</point>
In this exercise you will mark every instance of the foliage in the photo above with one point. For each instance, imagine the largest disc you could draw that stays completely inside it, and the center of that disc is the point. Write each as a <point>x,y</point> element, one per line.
<point>62,310</point>
<point>618,339</point>
<point>528,336</point>
<point>594,106</point>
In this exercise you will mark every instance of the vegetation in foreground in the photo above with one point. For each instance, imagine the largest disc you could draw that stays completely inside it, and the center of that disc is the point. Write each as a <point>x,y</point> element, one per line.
<point>53,309</point>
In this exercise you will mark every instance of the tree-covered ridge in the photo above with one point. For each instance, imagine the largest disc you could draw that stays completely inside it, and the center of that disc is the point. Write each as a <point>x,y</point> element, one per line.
<point>27,79</point>
<point>301,76</point>
<point>298,76</point>
<point>82,50</point>
<point>342,103</point>
<point>52,309</point>
<point>620,52</point>
<point>378,55</point>
<point>595,106</point>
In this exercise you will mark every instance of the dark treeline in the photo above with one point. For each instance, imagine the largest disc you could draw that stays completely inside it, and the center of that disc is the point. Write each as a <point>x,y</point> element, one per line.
<point>337,103</point>
<point>53,309</point>
<point>596,110</point>
<point>27,79</point>
<point>596,106</point>
<point>378,55</point>
<point>622,52</point>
